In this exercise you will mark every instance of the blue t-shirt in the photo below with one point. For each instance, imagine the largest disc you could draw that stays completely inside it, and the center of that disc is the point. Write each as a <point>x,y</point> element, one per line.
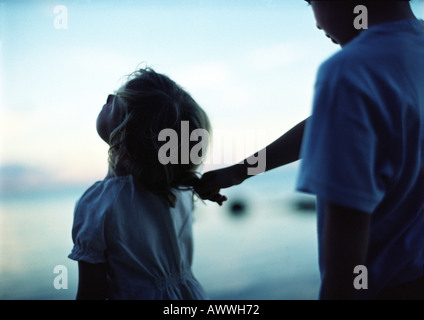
<point>146,245</point>
<point>364,146</point>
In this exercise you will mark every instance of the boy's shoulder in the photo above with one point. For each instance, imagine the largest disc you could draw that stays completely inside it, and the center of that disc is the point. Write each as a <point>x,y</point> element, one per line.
<point>373,52</point>
<point>341,66</point>
<point>358,64</point>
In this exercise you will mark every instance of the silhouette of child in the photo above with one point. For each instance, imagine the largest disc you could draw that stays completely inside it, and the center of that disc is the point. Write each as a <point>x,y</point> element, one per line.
<point>132,231</point>
<point>362,153</point>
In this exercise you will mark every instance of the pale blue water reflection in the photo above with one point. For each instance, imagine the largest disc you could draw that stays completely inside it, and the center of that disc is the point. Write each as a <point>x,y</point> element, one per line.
<point>267,253</point>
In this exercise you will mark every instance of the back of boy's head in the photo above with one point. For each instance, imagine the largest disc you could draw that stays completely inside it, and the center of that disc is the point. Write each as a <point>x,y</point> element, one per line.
<point>152,103</point>
<point>381,3</point>
<point>371,3</point>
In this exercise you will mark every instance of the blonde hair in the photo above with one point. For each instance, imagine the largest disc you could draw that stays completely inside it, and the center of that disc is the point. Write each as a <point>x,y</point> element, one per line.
<point>153,102</point>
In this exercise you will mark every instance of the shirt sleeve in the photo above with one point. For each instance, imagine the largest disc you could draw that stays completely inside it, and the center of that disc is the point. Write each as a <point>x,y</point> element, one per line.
<point>340,160</point>
<point>88,231</point>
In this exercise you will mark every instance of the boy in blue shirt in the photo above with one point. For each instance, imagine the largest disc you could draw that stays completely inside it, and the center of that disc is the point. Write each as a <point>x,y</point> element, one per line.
<point>363,153</point>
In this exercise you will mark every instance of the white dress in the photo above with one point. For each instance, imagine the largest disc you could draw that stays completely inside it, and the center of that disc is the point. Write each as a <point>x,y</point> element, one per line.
<point>146,244</point>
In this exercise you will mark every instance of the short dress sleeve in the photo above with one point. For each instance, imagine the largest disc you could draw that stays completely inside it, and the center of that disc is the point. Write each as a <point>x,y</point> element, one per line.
<point>88,231</point>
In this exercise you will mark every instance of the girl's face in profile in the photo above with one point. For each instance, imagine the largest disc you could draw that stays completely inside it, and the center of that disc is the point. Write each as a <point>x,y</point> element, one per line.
<point>109,118</point>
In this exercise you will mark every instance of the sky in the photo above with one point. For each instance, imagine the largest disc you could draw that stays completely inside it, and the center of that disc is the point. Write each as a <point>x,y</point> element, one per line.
<point>250,64</point>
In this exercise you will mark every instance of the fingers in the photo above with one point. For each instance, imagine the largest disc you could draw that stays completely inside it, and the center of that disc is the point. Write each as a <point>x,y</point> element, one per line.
<point>213,196</point>
<point>206,188</point>
<point>218,198</point>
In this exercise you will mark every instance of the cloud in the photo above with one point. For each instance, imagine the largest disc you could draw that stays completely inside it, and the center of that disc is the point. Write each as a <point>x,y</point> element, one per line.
<point>21,179</point>
<point>275,56</point>
<point>216,85</point>
<point>17,178</point>
<point>205,75</point>
<point>96,59</point>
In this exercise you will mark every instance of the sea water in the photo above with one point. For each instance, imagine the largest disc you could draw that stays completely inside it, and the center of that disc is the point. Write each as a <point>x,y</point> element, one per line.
<point>257,246</point>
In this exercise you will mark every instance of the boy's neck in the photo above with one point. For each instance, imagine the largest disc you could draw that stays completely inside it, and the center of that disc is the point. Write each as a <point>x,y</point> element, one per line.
<point>380,15</point>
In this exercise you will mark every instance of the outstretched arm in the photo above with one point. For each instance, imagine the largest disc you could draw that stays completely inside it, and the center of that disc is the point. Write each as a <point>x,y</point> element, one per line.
<point>284,150</point>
